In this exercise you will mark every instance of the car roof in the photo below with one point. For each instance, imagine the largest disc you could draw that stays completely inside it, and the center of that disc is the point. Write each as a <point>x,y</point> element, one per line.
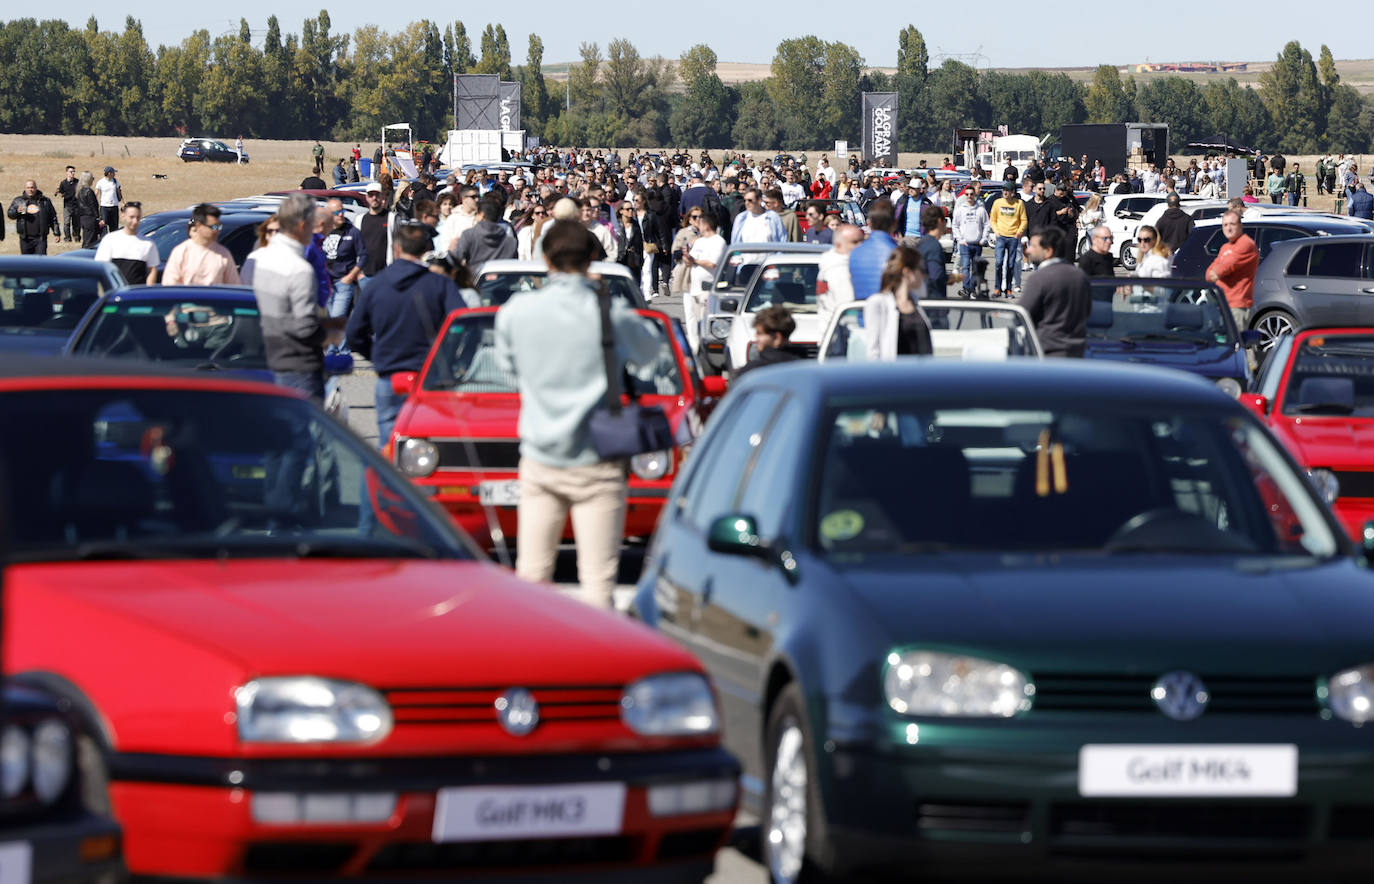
<point>794,258</point>
<point>513,265</point>
<point>778,247</point>
<point>163,292</point>
<point>1333,238</point>
<point>1304,221</point>
<point>1030,380</point>
<point>55,265</point>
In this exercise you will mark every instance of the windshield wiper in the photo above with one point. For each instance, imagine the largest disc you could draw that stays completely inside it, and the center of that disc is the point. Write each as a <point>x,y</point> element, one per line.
<point>1164,336</point>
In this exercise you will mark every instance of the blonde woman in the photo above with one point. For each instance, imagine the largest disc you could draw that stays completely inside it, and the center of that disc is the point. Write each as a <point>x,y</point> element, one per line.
<point>1154,254</point>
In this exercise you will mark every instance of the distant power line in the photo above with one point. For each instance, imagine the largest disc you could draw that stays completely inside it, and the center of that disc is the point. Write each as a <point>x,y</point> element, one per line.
<point>974,59</point>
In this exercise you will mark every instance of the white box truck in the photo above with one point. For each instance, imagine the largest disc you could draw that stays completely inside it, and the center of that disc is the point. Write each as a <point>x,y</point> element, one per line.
<point>478,146</point>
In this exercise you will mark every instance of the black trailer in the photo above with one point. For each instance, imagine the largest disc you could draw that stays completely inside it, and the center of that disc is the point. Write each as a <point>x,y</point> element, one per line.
<point>1120,146</point>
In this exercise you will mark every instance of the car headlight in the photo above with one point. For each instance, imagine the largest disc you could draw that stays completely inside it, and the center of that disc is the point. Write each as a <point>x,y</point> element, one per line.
<point>1350,694</point>
<point>932,683</point>
<point>651,464</point>
<point>1229,386</point>
<point>52,760</point>
<point>674,705</point>
<point>417,457</point>
<point>720,328</point>
<point>310,710</point>
<point>14,761</point>
<point>1328,486</point>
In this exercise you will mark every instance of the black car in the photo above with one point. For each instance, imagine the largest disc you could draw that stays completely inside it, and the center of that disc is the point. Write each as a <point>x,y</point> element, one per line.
<point>239,235</point>
<point>1193,257</point>
<point>54,818</point>
<point>208,150</point>
<point>42,298</point>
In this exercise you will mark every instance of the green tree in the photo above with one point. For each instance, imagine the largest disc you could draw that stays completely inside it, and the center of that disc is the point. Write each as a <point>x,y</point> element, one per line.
<point>495,53</point>
<point>1179,102</point>
<point>703,115</point>
<point>951,99</point>
<point>1236,112</point>
<point>1107,100</point>
<point>1059,98</point>
<point>913,62</point>
<point>582,78</point>
<point>796,87</point>
<point>458,49</point>
<point>321,95</point>
<point>756,125</point>
<point>180,70</point>
<point>1011,102</point>
<point>534,91</point>
<point>1293,94</point>
<point>232,94</point>
<point>840,103</point>
<point>1346,132</point>
<point>1326,66</point>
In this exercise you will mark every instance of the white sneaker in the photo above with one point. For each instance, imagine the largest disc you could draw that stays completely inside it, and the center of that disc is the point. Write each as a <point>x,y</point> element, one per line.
<point>1016,289</point>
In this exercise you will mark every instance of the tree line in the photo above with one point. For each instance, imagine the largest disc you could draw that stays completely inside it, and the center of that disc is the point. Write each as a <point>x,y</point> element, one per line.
<point>56,79</point>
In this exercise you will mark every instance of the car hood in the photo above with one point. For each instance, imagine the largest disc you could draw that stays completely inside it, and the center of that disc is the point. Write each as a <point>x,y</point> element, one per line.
<point>1149,614</point>
<point>1332,442</point>
<point>32,342</point>
<point>483,415</point>
<point>389,623</point>
<point>1214,361</point>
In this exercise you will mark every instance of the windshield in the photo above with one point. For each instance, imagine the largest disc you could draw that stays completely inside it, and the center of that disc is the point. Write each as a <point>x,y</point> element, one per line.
<point>1332,375</point>
<point>1143,314</point>
<point>957,332</point>
<point>38,302</point>
<point>119,473</point>
<point>785,285</point>
<point>912,480</point>
<point>466,361</point>
<point>203,333</point>
<point>497,288</point>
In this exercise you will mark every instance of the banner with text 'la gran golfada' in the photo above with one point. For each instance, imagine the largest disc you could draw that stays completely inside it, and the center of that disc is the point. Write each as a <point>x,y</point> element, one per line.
<point>880,128</point>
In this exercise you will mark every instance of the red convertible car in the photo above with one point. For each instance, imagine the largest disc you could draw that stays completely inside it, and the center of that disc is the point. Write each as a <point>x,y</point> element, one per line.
<point>294,666</point>
<point>456,434</point>
<point>1316,391</point>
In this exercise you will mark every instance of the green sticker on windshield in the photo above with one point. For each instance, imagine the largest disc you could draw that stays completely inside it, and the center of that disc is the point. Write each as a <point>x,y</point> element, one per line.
<point>245,311</point>
<point>138,311</point>
<point>842,525</point>
<point>109,310</point>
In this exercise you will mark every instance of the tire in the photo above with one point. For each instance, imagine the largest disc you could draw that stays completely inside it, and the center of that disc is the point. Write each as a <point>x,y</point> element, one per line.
<point>789,761</point>
<point>1128,256</point>
<point>1272,325</point>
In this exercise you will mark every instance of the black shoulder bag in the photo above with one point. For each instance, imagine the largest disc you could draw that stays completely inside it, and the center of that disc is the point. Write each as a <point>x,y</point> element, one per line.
<point>620,431</point>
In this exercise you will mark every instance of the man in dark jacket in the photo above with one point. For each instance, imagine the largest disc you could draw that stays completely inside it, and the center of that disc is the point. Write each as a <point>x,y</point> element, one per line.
<point>932,254</point>
<point>489,240</point>
<point>1058,296</point>
<point>1038,212</point>
<point>1098,260</point>
<point>397,316</point>
<point>1175,225</point>
<point>67,189</point>
<point>1063,211</point>
<point>34,216</point>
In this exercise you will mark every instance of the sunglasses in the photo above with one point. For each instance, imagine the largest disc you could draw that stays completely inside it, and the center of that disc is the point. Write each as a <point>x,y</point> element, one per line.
<point>214,226</point>
<point>694,216</point>
<point>133,205</point>
<point>1147,239</point>
<point>338,211</point>
<point>272,230</point>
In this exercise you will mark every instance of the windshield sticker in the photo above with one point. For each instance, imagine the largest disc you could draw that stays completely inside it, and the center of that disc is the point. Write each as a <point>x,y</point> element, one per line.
<point>842,525</point>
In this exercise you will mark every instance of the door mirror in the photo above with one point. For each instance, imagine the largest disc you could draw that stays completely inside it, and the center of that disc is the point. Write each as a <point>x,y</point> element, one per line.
<point>1256,403</point>
<point>714,386</point>
<point>338,364</point>
<point>1367,543</point>
<point>738,534</point>
<point>706,285</point>
<point>729,305</point>
<point>1250,338</point>
<point>402,382</point>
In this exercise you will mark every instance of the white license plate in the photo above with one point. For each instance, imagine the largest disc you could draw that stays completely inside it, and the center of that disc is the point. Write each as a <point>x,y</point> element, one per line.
<point>16,862</point>
<point>499,493</point>
<point>497,813</point>
<point>1188,771</point>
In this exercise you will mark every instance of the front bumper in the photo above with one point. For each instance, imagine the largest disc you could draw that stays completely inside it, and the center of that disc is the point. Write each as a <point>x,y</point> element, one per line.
<point>192,817</point>
<point>972,800</point>
<point>74,850</point>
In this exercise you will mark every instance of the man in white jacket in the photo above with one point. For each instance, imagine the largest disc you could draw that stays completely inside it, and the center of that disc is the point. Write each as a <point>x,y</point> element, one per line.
<point>970,229</point>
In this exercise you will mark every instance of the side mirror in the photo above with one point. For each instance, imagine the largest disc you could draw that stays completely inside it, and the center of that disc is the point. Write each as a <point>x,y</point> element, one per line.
<point>738,534</point>
<point>706,285</point>
<point>714,386</point>
<point>402,382</point>
<point>1367,543</point>
<point>729,305</point>
<point>1250,338</point>
<point>338,364</point>
<point>1255,402</point>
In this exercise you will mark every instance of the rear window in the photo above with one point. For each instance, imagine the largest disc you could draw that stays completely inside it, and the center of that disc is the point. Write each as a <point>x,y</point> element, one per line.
<point>496,289</point>
<point>788,285</point>
<point>1340,260</point>
<point>47,302</point>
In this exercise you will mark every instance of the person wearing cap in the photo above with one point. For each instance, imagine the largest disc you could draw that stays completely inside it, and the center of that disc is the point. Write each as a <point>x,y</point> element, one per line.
<point>376,230</point>
<point>1009,223</point>
<point>693,195</point>
<point>110,195</point>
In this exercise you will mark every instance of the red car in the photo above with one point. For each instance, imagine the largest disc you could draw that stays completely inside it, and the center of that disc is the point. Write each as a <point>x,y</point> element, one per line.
<point>296,667</point>
<point>1316,391</point>
<point>457,432</point>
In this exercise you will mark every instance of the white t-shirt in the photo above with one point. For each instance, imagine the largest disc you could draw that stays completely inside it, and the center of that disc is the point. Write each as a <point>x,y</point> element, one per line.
<point>754,228</point>
<point>792,192</point>
<point>839,290</point>
<point>706,248</point>
<point>133,256</point>
<point>108,191</point>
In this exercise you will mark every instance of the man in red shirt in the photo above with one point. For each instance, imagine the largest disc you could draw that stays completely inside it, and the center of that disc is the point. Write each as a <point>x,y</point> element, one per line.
<point>1234,269</point>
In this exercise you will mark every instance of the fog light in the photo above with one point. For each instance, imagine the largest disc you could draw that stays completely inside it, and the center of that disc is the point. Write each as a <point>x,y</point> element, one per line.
<point>680,799</point>
<point>288,808</point>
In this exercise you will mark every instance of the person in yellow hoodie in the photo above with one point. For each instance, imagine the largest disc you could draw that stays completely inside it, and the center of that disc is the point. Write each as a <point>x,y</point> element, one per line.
<point>1008,220</point>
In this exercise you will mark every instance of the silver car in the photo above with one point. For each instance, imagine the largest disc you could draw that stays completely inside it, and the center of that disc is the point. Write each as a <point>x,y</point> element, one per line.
<point>1314,281</point>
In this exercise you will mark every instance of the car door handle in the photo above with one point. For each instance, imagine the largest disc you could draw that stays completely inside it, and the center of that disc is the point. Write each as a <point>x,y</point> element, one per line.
<point>1299,288</point>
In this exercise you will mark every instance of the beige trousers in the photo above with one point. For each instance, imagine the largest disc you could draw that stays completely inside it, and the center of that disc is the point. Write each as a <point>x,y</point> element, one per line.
<point>595,496</point>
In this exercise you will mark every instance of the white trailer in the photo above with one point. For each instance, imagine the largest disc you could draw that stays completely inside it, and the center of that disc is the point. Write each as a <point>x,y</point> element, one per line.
<point>478,146</point>
<point>1019,149</point>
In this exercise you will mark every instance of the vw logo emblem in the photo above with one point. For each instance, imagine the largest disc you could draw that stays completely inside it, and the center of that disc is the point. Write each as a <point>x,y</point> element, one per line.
<point>1180,695</point>
<point>517,712</point>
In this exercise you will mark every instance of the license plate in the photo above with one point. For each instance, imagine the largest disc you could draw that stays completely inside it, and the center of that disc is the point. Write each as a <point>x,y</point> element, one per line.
<point>1188,771</point>
<point>499,493</point>
<point>16,862</point>
<point>501,813</point>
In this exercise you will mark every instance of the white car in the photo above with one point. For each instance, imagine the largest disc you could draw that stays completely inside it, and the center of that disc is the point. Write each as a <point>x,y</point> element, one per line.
<point>499,280</point>
<point>981,330</point>
<point>1123,214</point>
<point>783,279</point>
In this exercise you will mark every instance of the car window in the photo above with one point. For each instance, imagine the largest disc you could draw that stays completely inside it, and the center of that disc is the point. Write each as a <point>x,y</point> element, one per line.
<point>201,333</point>
<point>1339,260</point>
<point>37,302</point>
<point>1137,313</point>
<point>1298,265</point>
<point>168,236</point>
<point>775,469</point>
<point>716,478</point>
<point>1332,375</point>
<point>739,270</point>
<point>1268,382</point>
<point>1271,235</point>
<point>915,479</point>
<point>1214,243</point>
<point>497,288</point>
<point>785,285</point>
<point>1207,213</point>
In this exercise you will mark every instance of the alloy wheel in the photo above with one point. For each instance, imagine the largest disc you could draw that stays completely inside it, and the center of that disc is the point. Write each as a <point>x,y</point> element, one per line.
<point>1273,326</point>
<point>787,815</point>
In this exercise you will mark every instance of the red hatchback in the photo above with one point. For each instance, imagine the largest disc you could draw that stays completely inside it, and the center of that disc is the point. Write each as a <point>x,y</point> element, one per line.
<point>295,667</point>
<point>1316,392</point>
<point>457,432</point>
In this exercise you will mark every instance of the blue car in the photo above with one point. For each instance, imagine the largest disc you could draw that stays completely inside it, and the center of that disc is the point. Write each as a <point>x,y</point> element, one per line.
<point>1173,323</point>
<point>167,230</point>
<point>43,298</point>
<point>1200,249</point>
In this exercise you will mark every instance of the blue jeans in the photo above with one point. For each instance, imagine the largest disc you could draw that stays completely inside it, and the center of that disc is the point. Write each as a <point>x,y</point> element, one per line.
<point>966,255</point>
<point>388,404</point>
<point>311,383</point>
<point>339,304</point>
<point>1007,254</point>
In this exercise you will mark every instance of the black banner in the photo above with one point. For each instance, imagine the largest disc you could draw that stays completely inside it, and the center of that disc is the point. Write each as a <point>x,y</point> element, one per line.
<point>880,128</point>
<point>510,106</point>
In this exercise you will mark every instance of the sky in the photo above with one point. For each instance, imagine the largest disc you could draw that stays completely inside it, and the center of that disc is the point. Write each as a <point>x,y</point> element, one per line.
<point>1249,35</point>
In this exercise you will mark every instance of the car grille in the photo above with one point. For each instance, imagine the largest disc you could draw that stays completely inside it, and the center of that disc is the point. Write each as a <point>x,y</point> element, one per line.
<point>986,818</point>
<point>1229,695</point>
<point>476,706</point>
<point>1356,484</point>
<point>1180,821</point>
<point>504,855</point>
<point>485,454</point>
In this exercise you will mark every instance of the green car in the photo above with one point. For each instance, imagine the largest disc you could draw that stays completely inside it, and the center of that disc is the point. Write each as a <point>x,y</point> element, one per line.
<point>1056,619</point>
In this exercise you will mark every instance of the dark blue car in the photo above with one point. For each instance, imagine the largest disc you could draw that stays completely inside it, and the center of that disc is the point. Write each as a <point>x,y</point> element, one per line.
<point>1172,323</point>
<point>1200,249</point>
<point>167,230</point>
<point>42,298</point>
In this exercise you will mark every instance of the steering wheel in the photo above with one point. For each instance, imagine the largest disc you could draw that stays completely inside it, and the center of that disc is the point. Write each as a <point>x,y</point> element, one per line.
<point>1170,529</point>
